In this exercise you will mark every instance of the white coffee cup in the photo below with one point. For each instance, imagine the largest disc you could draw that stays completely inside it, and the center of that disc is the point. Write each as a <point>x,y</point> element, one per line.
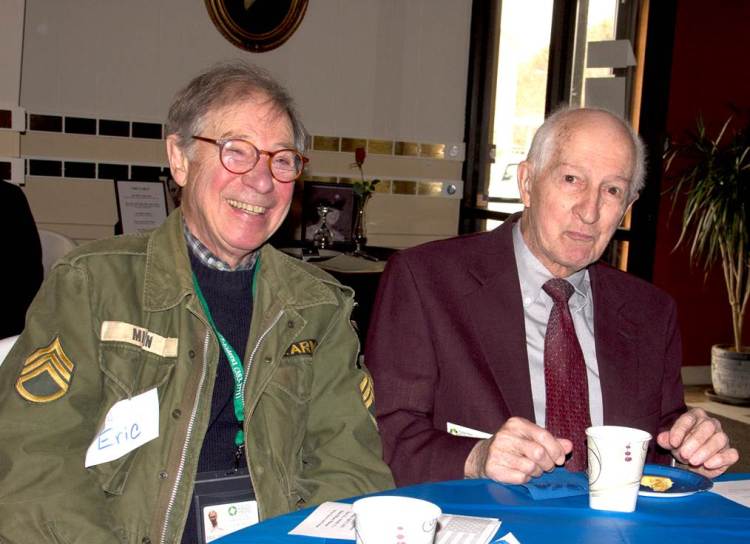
<point>616,457</point>
<point>392,519</point>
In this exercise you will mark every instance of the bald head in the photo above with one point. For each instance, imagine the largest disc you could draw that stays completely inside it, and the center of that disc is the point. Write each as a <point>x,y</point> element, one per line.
<point>558,128</point>
<point>583,172</point>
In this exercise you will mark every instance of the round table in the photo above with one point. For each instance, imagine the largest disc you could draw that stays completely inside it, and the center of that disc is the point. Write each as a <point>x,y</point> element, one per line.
<point>699,518</point>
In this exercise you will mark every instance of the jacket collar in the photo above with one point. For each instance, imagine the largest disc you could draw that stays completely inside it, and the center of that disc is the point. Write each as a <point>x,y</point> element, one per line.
<point>168,276</point>
<point>496,308</point>
<point>501,333</point>
<point>616,339</point>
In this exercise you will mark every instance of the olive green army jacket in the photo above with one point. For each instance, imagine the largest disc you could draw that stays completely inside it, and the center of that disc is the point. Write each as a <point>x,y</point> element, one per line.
<point>119,317</point>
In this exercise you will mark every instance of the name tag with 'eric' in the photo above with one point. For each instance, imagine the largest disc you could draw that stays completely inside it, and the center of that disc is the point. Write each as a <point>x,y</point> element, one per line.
<point>129,424</point>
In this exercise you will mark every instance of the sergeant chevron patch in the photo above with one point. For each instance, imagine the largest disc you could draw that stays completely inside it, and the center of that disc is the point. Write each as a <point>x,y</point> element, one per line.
<point>365,387</point>
<point>46,374</point>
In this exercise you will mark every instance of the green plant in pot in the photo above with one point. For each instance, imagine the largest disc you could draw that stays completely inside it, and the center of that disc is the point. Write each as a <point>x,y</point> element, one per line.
<point>716,188</point>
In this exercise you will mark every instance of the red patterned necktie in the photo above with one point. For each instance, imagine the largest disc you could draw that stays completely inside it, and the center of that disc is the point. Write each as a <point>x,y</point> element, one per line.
<point>567,408</point>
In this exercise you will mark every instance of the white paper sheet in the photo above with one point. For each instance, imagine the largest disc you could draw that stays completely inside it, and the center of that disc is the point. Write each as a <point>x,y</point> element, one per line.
<point>329,520</point>
<point>737,491</point>
<point>465,529</point>
<point>460,430</point>
<point>128,425</point>
<point>336,520</point>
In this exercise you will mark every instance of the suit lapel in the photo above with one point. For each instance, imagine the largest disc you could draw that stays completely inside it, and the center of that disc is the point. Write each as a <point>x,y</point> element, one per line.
<point>495,307</point>
<point>615,334</point>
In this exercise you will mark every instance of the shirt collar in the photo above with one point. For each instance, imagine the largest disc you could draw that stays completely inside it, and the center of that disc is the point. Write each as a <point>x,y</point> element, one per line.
<point>205,255</point>
<point>533,275</point>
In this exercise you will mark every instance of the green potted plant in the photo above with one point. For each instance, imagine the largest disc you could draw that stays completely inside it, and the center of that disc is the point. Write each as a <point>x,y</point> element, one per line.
<point>716,188</point>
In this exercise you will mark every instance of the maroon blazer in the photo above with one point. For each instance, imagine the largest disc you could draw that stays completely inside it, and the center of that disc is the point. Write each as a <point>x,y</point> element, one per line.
<point>447,343</point>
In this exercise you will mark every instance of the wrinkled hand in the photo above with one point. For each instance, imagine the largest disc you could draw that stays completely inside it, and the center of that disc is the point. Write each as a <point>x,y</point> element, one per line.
<point>697,440</point>
<point>519,451</point>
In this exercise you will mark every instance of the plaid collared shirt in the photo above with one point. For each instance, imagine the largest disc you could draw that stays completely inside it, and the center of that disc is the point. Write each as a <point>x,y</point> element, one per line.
<point>211,260</point>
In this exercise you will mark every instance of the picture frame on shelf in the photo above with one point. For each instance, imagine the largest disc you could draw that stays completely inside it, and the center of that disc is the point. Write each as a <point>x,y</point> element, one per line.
<point>338,198</point>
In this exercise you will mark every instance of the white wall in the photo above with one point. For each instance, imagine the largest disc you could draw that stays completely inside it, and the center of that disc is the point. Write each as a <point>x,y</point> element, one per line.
<point>393,69</point>
<point>386,70</point>
<point>11,40</point>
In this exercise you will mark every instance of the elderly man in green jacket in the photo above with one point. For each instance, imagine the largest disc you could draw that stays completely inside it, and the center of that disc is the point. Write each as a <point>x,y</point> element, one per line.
<point>194,368</point>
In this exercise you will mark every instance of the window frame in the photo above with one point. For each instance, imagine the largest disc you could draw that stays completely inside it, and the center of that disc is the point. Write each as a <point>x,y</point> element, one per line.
<point>649,110</point>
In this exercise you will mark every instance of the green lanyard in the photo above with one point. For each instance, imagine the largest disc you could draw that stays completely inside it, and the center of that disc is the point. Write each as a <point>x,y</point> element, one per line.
<point>235,363</point>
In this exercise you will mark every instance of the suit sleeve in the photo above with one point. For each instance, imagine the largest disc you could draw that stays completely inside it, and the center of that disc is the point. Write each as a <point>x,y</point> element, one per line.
<point>401,356</point>
<point>673,398</point>
<point>46,494</point>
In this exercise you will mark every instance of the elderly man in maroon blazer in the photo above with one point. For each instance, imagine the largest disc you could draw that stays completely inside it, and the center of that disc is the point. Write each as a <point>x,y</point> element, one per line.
<point>491,353</point>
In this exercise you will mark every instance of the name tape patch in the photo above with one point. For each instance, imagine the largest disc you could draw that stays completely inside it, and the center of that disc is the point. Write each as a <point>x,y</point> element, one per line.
<point>118,331</point>
<point>303,347</point>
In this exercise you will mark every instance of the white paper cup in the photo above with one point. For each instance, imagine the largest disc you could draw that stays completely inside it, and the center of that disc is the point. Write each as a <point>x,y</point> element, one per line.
<point>616,457</point>
<point>395,520</point>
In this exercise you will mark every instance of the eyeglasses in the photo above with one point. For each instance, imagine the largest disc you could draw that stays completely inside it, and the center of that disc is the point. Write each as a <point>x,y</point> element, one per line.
<point>240,156</point>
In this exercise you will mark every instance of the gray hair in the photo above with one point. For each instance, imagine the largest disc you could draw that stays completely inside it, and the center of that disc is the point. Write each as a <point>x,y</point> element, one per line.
<point>227,84</point>
<point>555,130</point>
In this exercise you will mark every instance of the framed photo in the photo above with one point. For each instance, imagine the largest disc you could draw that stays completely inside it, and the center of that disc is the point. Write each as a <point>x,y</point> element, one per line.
<point>337,199</point>
<point>141,205</point>
<point>256,25</point>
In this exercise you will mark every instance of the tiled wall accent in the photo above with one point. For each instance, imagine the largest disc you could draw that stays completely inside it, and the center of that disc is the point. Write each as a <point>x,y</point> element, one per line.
<point>388,147</point>
<point>12,117</point>
<point>92,170</point>
<point>5,170</point>
<point>451,189</point>
<point>87,125</point>
<point>425,185</point>
<point>125,129</point>
<point>6,119</point>
<point>417,198</point>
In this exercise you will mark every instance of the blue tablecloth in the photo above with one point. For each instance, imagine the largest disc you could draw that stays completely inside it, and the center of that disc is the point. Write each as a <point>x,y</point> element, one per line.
<point>700,518</point>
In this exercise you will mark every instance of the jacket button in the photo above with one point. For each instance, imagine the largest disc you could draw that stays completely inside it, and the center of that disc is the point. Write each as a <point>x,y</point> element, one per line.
<point>176,413</point>
<point>290,324</point>
<point>268,360</point>
<point>146,540</point>
<point>191,354</point>
<point>301,503</point>
<point>163,475</point>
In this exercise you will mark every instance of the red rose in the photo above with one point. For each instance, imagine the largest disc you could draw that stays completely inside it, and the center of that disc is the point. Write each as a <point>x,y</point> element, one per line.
<point>359,156</point>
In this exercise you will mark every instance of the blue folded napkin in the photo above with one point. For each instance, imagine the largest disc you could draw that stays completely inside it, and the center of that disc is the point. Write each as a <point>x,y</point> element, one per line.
<point>556,484</point>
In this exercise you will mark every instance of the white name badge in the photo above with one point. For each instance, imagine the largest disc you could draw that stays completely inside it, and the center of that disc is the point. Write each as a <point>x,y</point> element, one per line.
<point>222,519</point>
<point>460,430</point>
<point>129,424</point>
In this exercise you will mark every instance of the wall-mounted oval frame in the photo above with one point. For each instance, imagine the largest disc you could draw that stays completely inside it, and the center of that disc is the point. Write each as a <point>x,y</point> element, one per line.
<point>256,25</point>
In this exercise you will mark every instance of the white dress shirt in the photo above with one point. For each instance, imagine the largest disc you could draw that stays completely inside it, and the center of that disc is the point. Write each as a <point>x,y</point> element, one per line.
<point>537,305</point>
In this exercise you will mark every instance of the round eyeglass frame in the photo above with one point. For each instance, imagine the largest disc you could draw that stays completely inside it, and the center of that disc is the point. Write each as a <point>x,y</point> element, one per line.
<point>221,142</point>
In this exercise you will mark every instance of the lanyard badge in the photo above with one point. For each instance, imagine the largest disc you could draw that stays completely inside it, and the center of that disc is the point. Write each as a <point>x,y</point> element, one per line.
<point>235,363</point>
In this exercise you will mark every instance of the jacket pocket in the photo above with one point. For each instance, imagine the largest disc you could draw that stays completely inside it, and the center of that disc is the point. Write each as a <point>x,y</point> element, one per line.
<point>281,419</point>
<point>128,371</point>
<point>131,371</point>
<point>293,378</point>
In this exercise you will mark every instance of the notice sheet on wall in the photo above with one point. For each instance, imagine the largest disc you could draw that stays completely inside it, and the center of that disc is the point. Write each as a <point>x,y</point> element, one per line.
<point>142,205</point>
